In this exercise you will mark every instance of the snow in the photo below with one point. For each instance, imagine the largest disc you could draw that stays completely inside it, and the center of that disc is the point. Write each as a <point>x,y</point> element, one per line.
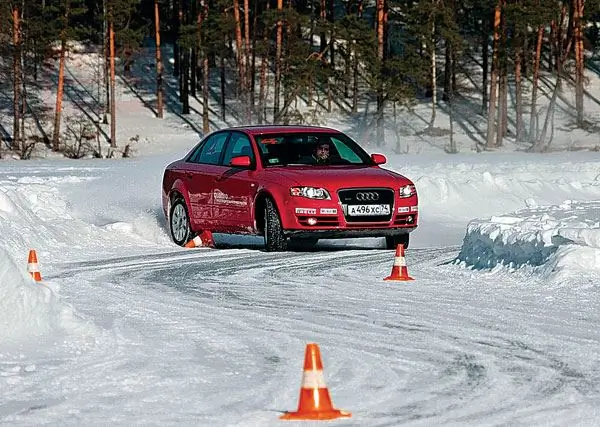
<point>500,325</point>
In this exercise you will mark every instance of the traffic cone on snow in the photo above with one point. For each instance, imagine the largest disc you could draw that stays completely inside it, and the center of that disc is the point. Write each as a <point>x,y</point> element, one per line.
<point>315,402</point>
<point>32,266</point>
<point>399,270</point>
<point>204,239</point>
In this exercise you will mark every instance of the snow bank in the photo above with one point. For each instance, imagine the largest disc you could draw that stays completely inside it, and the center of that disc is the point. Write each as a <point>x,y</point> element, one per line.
<point>35,213</point>
<point>29,309</point>
<point>560,237</point>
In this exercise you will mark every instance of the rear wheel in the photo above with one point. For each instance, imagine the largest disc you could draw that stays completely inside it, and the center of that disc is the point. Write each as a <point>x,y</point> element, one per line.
<point>275,240</point>
<point>179,222</point>
<point>392,242</point>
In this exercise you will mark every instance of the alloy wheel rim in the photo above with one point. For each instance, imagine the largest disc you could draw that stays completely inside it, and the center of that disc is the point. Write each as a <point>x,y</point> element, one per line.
<point>179,223</point>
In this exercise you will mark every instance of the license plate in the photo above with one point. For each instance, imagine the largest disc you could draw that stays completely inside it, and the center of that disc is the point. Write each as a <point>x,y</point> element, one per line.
<point>368,210</point>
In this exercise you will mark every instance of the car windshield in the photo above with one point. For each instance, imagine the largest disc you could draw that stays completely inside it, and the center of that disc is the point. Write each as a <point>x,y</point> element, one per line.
<point>310,149</point>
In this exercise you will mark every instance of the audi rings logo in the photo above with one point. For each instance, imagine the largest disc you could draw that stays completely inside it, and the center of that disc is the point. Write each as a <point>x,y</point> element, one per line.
<point>369,196</point>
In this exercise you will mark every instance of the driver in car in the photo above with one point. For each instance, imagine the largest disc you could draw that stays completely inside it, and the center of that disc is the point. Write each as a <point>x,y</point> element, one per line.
<point>322,152</point>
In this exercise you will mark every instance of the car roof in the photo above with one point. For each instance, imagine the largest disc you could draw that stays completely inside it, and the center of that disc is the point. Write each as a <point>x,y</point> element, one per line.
<point>271,129</point>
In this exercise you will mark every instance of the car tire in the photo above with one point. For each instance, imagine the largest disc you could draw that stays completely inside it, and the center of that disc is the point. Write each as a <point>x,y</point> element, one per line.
<point>392,242</point>
<point>275,240</point>
<point>179,222</point>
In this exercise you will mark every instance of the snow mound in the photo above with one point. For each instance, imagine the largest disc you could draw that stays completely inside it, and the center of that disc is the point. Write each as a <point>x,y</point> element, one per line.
<point>561,237</point>
<point>31,309</point>
<point>35,213</point>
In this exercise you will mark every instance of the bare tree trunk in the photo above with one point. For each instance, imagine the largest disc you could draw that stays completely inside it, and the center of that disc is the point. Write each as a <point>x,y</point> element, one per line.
<point>247,60</point>
<point>179,59</point>
<point>176,14</point>
<point>185,82</point>
<point>113,112</point>
<point>278,50</point>
<point>205,106</point>
<point>240,54</point>
<point>447,71</point>
<point>330,19</point>
<point>519,90</point>
<point>491,126</point>
<point>355,65</point>
<point>159,67</point>
<point>59,93</point>
<point>503,84</point>
<point>23,83</point>
<point>222,78</point>
<point>433,78</point>
<point>380,5</point>
<point>263,75</point>
<point>16,78</point>
<point>579,58</point>
<point>485,53</point>
<point>536,74</point>
<point>502,106</point>
<point>453,149</point>
<point>106,60</point>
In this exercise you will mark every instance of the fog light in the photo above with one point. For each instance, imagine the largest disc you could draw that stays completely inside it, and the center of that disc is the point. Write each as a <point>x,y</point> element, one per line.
<point>409,219</point>
<point>311,221</point>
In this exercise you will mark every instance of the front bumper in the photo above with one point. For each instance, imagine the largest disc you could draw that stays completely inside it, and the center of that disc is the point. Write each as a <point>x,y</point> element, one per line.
<point>341,233</point>
<point>303,217</point>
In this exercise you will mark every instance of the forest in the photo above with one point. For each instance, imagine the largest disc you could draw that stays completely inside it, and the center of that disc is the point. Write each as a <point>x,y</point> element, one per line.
<point>261,57</point>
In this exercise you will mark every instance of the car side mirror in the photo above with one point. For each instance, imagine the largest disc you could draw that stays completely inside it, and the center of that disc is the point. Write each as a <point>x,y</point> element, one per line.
<point>241,162</point>
<point>378,159</point>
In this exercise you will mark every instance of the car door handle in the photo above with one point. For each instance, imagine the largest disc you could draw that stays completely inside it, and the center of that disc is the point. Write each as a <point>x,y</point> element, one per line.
<point>189,175</point>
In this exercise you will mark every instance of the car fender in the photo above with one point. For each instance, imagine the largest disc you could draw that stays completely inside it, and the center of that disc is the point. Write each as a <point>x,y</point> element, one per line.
<point>275,192</point>
<point>179,186</point>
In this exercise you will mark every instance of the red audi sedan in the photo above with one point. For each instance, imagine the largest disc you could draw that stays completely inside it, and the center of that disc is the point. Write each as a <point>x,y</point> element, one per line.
<point>290,184</point>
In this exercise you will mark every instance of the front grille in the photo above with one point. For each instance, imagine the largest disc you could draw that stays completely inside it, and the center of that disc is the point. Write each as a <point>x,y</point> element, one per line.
<point>365,196</point>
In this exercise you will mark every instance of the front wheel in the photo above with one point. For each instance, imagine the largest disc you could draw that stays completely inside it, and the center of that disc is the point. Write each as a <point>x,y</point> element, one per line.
<point>275,240</point>
<point>392,242</point>
<point>179,222</point>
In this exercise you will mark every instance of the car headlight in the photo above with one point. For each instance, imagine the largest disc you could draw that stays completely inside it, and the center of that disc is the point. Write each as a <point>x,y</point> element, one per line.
<point>310,193</point>
<point>407,191</point>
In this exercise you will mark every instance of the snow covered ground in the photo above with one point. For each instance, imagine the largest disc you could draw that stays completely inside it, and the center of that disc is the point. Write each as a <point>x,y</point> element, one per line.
<point>500,325</point>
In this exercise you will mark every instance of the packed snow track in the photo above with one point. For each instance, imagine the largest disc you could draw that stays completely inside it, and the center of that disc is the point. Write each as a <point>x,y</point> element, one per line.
<point>185,332</point>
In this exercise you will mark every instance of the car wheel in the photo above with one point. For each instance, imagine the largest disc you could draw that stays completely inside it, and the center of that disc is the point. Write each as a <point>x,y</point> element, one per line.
<point>275,240</point>
<point>179,222</point>
<point>392,242</point>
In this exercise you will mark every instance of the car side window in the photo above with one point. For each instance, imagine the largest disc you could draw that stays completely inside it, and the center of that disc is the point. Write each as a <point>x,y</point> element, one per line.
<point>345,152</point>
<point>210,152</point>
<point>239,145</point>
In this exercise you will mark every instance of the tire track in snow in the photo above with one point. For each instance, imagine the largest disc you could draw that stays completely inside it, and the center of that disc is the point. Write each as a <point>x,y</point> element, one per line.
<point>454,346</point>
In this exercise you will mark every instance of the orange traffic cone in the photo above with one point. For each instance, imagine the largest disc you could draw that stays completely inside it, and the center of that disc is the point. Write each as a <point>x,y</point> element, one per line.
<point>399,270</point>
<point>315,403</point>
<point>204,239</point>
<point>32,266</point>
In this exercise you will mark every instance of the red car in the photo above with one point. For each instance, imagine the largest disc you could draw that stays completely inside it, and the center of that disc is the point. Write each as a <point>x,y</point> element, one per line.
<point>290,184</point>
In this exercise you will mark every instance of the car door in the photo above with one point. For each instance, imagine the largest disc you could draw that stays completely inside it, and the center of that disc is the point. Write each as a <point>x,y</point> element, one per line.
<point>235,188</point>
<point>201,170</point>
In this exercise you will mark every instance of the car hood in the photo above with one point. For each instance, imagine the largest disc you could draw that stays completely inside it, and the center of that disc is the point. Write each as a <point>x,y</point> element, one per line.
<point>335,177</point>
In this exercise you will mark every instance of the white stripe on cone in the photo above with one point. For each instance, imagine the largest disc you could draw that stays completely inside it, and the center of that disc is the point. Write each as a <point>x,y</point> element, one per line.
<point>313,379</point>
<point>32,267</point>
<point>399,261</point>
